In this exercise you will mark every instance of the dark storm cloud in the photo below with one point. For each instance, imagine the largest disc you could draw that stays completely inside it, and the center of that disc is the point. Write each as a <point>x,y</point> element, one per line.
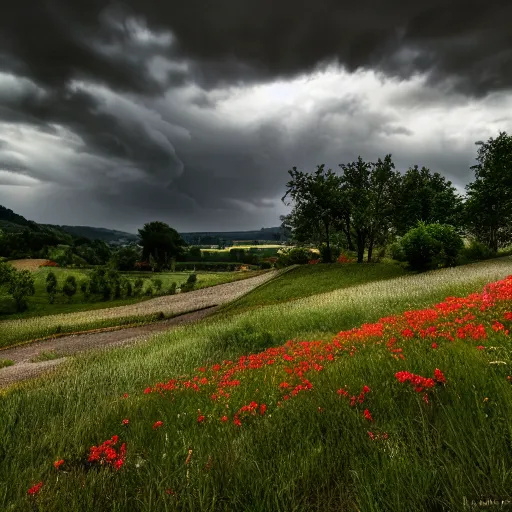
<point>106,71</point>
<point>231,40</point>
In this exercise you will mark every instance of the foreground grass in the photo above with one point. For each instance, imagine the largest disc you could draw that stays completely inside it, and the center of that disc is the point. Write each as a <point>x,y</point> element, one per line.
<point>312,453</point>
<point>38,304</point>
<point>307,280</point>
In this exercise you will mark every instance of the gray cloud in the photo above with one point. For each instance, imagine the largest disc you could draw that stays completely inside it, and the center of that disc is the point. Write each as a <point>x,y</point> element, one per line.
<point>126,102</point>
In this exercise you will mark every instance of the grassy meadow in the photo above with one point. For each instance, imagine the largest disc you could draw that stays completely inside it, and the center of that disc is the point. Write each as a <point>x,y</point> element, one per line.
<point>315,419</point>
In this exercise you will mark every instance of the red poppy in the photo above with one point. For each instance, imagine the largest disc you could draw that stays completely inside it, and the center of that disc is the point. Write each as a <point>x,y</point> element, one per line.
<point>35,489</point>
<point>157,424</point>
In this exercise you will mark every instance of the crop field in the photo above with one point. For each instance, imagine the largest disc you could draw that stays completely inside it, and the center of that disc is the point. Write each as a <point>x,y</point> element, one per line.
<point>387,396</point>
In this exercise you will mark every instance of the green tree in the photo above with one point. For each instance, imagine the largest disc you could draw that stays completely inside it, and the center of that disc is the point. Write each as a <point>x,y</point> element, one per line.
<point>6,273</point>
<point>317,207</point>
<point>488,208</point>
<point>161,242</point>
<point>69,287</point>
<point>51,286</point>
<point>125,258</point>
<point>21,286</point>
<point>427,197</point>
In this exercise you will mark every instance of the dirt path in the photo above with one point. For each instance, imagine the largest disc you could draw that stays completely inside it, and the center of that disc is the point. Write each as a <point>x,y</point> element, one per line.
<point>25,357</point>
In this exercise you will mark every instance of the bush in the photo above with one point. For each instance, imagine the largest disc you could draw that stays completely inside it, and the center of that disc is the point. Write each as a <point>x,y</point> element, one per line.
<point>137,286</point>
<point>51,286</point>
<point>127,287</point>
<point>296,256</point>
<point>328,256</point>
<point>172,289</point>
<point>477,251</point>
<point>69,287</point>
<point>265,265</point>
<point>157,283</point>
<point>192,278</point>
<point>20,286</point>
<point>431,245</point>
<point>85,288</point>
<point>148,291</point>
<point>396,251</point>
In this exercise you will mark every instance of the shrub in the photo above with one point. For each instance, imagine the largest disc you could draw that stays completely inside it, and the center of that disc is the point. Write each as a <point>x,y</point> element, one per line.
<point>127,287</point>
<point>192,278</point>
<point>51,286</point>
<point>85,288</point>
<point>477,251</point>
<point>396,251</point>
<point>69,287</point>
<point>148,291</point>
<point>328,255</point>
<point>137,286</point>
<point>265,265</point>
<point>431,245</point>
<point>296,256</point>
<point>172,289</point>
<point>20,286</point>
<point>157,283</point>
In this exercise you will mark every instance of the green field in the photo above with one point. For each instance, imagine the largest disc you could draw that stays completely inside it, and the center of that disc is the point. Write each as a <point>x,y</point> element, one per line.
<point>311,452</point>
<point>38,305</point>
<point>307,280</point>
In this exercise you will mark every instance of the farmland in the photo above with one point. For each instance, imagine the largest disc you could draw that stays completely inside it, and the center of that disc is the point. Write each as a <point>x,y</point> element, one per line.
<point>293,406</point>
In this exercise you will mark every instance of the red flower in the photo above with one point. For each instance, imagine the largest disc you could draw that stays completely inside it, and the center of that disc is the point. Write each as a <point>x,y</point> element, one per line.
<point>480,347</point>
<point>224,419</point>
<point>439,376</point>
<point>147,390</point>
<point>434,345</point>
<point>371,435</point>
<point>125,395</point>
<point>425,398</point>
<point>157,424</point>
<point>200,418</point>
<point>263,408</point>
<point>35,489</point>
<point>126,421</point>
<point>58,463</point>
<point>366,389</point>
<point>367,415</point>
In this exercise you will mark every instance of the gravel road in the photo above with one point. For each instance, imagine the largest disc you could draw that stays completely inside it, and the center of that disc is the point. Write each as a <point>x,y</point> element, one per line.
<point>206,300</point>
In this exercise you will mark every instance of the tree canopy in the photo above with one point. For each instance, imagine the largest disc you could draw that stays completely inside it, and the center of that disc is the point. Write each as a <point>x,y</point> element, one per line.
<point>160,242</point>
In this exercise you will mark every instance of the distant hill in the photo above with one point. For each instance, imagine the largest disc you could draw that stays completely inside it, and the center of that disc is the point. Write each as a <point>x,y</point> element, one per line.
<point>106,235</point>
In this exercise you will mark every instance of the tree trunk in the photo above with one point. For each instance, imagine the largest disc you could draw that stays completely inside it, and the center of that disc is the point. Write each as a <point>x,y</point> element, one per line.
<point>328,243</point>
<point>361,239</point>
<point>370,250</point>
<point>347,233</point>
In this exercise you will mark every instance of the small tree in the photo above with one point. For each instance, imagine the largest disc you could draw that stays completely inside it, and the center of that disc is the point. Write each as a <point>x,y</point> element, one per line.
<point>21,286</point>
<point>157,283</point>
<point>51,286</point>
<point>85,288</point>
<point>137,287</point>
<point>69,287</point>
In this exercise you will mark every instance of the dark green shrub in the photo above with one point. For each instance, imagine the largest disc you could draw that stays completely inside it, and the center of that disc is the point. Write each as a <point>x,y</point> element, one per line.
<point>85,288</point>
<point>69,287</point>
<point>328,255</point>
<point>51,286</point>
<point>137,286</point>
<point>20,286</point>
<point>172,289</point>
<point>295,256</point>
<point>396,251</point>
<point>477,251</point>
<point>127,288</point>
<point>157,283</point>
<point>265,265</point>
<point>148,291</point>
<point>192,279</point>
<point>431,245</point>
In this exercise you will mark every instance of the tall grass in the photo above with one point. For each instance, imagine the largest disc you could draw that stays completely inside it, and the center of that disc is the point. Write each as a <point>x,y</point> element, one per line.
<point>314,453</point>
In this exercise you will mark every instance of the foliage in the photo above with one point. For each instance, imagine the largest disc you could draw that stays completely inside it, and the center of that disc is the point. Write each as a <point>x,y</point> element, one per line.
<point>192,278</point>
<point>161,242</point>
<point>427,197</point>
<point>431,245</point>
<point>85,288</point>
<point>157,283</point>
<point>489,197</point>
<point>51,286</point>
<point>69,287</point>
<point>125,258</point>
<point>295,256</point>
<point>172,288</point>
<point>137,287</point>
<point>21,286</point>
<point>477,251</point>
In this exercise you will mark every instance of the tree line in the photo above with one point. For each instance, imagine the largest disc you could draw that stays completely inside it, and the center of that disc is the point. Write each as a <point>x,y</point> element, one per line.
<point>371,204</point>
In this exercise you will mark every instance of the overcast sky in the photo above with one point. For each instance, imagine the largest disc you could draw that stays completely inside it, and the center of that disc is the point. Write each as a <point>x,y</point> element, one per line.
<point>113,114</point>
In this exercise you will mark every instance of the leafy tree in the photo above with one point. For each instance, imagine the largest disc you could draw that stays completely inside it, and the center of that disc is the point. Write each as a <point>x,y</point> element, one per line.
<point>69,287</point>
<point>51,286</point>
<point>21,286</point>
<point>488,208</point>
<point>317,201</point>
<point>161,242</point>
<point>427,197</point>
<point>85,288</point>
<point>157,283</point>
<point>6,273</point>
<point>194,253</point>
<point>137,287</point>
<point>125,258</point>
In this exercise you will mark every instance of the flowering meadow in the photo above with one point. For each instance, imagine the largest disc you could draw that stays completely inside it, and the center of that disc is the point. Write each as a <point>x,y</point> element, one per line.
<point>410,411</point>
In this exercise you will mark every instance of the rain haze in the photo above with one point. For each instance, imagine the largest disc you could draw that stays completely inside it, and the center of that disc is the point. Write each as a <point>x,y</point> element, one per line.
<point>116,114</point>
